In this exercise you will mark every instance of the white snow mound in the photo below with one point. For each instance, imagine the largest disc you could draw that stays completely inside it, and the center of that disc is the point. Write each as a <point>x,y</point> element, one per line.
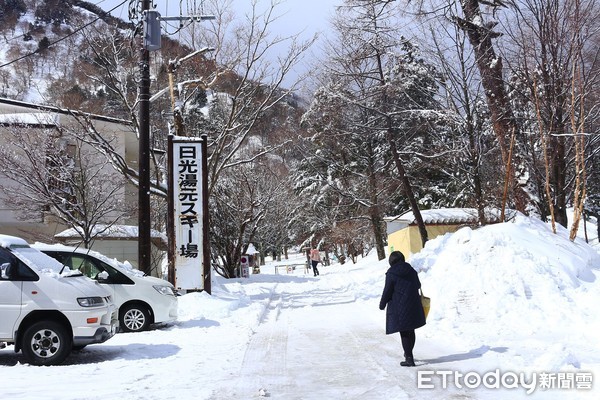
<point>503,279</point>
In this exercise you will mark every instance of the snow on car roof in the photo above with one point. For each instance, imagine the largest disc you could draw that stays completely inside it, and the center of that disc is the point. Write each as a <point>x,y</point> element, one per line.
<point>7,241</point>
<point>122,266</point>
<point>33,257</point>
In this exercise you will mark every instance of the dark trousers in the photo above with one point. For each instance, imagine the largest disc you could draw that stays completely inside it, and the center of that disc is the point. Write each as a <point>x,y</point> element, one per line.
<point>408,342</point>
<point>314,267</point>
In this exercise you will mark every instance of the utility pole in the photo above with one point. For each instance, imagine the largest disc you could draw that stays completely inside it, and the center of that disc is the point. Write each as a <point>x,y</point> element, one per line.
<point>151,42</point>
<point>144,229</point>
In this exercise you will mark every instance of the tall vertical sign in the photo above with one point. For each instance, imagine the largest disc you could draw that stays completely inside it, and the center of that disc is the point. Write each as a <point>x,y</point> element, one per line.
<point>189,267</point>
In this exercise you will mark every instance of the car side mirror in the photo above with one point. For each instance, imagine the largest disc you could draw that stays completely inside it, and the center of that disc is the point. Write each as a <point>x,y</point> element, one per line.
<point>5,271</point>
<point>102,276</point>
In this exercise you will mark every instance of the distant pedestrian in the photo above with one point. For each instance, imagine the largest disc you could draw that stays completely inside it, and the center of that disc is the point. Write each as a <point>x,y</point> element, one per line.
<point>315,258</point>
<point>404,309</point>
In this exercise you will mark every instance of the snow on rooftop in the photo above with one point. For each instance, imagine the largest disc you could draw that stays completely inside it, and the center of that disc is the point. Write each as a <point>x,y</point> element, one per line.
<point>445,216</point>
<point>114,231</point>
<point>41,118</point>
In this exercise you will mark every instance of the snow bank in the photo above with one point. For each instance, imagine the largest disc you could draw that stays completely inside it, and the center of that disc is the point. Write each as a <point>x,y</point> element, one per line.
<point>514,279</point>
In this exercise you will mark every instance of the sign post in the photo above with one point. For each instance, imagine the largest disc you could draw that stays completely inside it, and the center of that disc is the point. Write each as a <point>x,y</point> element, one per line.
<point>189,261</point>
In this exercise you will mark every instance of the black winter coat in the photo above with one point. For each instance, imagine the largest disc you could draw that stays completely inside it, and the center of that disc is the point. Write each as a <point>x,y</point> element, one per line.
<point>401,295</point>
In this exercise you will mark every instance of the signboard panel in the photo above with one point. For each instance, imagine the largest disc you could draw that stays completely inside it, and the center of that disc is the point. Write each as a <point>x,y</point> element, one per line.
<point>188,212</point>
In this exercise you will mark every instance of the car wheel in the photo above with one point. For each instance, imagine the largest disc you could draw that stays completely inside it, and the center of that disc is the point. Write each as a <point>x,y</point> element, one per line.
<point>46,343</point>
<point>134,318</point>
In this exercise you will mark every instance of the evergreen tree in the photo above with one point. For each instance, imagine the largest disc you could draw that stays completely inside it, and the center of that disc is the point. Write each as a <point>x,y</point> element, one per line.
<point>378,113</point>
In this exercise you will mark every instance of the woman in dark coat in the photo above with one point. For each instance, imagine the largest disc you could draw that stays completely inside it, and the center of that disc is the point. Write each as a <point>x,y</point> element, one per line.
<point>404,309</point>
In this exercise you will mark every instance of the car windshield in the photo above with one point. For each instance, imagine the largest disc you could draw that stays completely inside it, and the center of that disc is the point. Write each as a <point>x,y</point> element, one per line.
<point>123,267</point>
<point>38,260</point>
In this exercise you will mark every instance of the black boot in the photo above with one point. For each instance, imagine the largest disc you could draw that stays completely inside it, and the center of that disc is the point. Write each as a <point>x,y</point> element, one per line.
<point>409,362</point>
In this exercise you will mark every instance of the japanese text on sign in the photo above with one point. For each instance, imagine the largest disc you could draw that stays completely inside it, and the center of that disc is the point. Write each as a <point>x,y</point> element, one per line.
<point>187,199</point>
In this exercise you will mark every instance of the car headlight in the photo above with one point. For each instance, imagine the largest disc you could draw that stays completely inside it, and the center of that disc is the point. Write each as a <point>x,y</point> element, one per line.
<point>90,301</point>
<point>166,290</point>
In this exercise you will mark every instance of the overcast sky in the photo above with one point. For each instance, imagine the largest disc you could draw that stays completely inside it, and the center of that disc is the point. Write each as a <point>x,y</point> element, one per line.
<point>303,17</point>
<point>307,16</point>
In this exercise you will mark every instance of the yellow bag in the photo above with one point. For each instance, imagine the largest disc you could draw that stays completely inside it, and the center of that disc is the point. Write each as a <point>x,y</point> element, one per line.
<point>425,301</point>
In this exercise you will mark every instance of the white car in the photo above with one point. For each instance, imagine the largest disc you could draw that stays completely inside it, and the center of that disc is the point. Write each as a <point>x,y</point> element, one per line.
<point>142,300</point>
<point>47,309</point>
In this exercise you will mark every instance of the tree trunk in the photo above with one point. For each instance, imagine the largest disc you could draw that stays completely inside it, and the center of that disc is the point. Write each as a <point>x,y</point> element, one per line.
<point>374,211</point>
<point>490,68</point>
<point>407,188</point>
<point>477,186</point>
<point>558,179</point>
<point>376,224</point>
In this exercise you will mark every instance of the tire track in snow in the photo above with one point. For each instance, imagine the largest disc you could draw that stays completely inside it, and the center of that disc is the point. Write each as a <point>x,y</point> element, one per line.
<point>335,357</point>
<point>264,359</point>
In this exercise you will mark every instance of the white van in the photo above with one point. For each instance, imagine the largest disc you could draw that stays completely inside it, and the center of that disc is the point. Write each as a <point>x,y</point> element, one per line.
<point>47,309</point>
<point>142,300</point>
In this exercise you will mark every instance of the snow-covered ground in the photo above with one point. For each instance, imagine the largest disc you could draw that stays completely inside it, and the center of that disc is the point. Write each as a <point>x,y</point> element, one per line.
<point>509,300</point>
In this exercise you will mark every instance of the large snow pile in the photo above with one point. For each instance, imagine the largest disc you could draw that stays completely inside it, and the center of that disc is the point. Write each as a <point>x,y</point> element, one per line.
<point>513,281</point>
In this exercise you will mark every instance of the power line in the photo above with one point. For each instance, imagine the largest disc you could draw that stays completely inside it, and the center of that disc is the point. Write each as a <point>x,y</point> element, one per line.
<point>61,39</point>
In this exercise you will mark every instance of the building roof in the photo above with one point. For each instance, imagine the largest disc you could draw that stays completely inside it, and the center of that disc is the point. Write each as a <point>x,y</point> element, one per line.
<point>444,216</point>
<point>15,109</point>
<point>33,118</point>
<point>115,232</point>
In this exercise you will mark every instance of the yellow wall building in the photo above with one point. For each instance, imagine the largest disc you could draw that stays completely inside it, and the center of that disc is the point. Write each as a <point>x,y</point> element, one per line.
<point>403,232</point>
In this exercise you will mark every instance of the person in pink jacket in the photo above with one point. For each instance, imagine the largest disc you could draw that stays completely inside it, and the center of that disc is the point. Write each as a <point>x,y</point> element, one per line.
<point>315,258</point>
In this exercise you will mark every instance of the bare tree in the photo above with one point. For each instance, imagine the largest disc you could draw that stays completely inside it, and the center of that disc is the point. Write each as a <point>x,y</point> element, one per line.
<point>552,41</point>
<point>280,229</point>
<point>475,17</point>
<point>242,92</point>
<point>243,83</point>
<point>546,103</point>
<point>242,204</point>
<point>249,99</point>
<point>481,34</point>
<point>475,156</point>
<point>50,171</point>
<point>251,77</point>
